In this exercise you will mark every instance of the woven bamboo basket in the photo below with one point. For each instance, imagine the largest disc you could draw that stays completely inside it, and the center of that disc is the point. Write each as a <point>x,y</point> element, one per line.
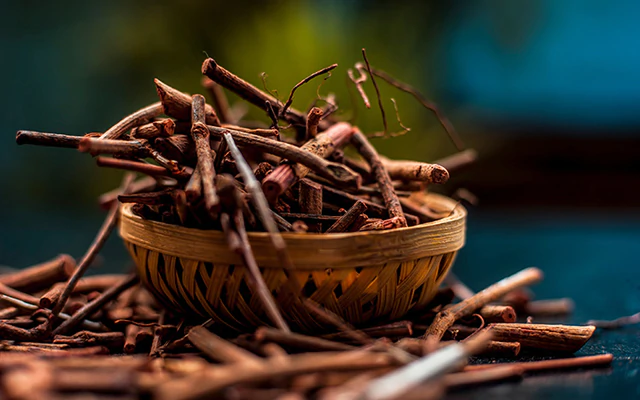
<point>361,276</point>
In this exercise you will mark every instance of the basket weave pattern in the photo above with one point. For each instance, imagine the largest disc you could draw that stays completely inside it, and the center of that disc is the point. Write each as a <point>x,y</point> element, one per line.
<point>361,276</point>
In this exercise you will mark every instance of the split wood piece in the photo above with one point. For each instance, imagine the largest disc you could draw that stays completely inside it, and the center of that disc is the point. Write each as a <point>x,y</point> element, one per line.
<point>219,349</point>
<point>335,172</point>
<point>349,218</point>
<point>369,153</point>
<point>145,168</point>
<point>218,99</point>
<point>88,284</point>
<point>94,305</point>
<point>105,230</point>
<point>310,200</point>
<point>298,341</point>
<point>40,276</point>
<point>260,203</point>
<point>495,313</point>
<point>140,117</point>
<point>114,340</point>
<point>313,119</point>
<point>238,241</point>
<point>252,94</point>
<point>445,319</point>
<point>547,365</point>
<point>406,170</point>
<point>145,184</point>
<point>285,175</point>
<point>178,105</point>
<point>212,380</point>
<point>200,136</point>
<point>156,129</point>
<point>459,160</point>
<point>551,307</point>
<point>432,366</point>
<point>394,329</point>
<point>48,139</point>
<point>482,377</point>
<point>561,338</point>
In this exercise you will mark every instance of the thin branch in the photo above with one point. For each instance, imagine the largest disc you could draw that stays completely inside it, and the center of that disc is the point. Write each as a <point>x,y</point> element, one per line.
<point>107,226</point>
<point>358,83</point>
<point>289,101</point>
<point>444,121</point>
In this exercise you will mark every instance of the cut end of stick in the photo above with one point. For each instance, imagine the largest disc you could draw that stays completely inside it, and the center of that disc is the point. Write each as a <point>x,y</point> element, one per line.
<point>208,66</point>
<point>439,174</point>
<point>20,137</point>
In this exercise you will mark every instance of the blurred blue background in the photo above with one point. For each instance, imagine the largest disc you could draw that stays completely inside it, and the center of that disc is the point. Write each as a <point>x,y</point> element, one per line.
<point>547,91</point>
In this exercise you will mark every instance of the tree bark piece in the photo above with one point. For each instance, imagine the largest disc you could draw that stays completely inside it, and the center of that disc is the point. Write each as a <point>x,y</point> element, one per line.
<point>561,338</point>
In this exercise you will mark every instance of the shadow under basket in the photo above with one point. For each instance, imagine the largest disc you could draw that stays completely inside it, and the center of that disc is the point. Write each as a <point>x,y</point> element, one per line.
<point>360,276</point>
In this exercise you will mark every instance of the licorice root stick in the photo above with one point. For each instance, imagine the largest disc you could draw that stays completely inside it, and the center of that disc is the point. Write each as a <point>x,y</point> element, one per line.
<point>369,153</point>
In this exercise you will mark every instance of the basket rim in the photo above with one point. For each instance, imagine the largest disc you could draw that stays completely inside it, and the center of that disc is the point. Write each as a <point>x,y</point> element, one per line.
<point>428,239</point>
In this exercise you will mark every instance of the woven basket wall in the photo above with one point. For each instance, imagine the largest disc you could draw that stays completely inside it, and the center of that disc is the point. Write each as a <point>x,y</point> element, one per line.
<point>361,276</point>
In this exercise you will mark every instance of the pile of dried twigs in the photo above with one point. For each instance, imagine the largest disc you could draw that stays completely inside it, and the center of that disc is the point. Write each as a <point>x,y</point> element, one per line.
<point>63,334</point>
